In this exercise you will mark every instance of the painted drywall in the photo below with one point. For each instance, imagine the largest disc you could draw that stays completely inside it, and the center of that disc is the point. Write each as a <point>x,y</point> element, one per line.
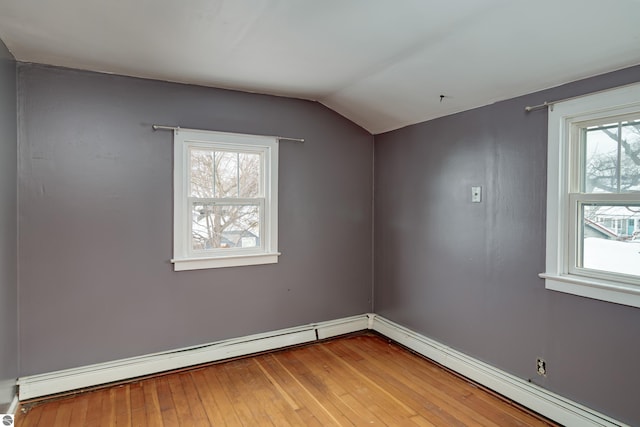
<point>8,227</point>
<point>95,206</point>
<point>466,274</point>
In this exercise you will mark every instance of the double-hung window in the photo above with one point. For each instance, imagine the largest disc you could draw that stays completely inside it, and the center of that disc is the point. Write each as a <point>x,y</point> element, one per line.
<point>225,199</point>
<point>593,196</point>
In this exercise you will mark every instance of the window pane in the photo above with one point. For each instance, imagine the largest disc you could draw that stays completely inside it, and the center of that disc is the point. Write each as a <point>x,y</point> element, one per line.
<point>630,156</point>
<point>250,173</point>
<point>601,159</point>
<point>201,170</point>
<point>611,238</point>
<point>612,158</point>
<point>236,174</point>
<point>226,174</point>
<point>216,226</point>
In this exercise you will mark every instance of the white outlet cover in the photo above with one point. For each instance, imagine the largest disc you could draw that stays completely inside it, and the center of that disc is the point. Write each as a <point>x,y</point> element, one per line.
<point>476,194</point>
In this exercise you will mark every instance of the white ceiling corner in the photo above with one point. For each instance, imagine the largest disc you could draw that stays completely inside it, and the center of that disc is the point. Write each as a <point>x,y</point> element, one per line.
<point>381,63</point>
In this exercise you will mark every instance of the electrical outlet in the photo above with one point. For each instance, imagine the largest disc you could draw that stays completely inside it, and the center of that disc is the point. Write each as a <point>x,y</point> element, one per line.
<point>476,194</point>
<point>541,366</point>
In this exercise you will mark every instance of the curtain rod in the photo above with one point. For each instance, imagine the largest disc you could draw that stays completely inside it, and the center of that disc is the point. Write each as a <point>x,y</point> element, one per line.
<point>550,104</point>
<point>540,106</point>
<point>279,138</point>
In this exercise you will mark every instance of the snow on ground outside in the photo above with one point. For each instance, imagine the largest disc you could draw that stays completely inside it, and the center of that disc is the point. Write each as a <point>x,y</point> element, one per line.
<point>612,255</point>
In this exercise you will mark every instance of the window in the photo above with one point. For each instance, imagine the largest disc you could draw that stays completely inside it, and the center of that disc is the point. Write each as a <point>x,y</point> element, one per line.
<point>225,200</point>
<point>593,196</point>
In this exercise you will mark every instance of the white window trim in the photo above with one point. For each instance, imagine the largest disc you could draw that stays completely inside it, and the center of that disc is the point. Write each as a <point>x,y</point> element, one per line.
<point>183,258</point>
<point>562,115</point>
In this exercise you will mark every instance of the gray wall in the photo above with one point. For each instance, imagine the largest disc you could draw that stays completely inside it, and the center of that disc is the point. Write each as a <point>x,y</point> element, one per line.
<point>466,274</point>
<point>95,185</point>
<point>8,225</point>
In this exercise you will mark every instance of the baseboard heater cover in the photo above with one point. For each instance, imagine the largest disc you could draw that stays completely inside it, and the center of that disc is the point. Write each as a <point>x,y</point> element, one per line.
<point>538,399</point>
<point>35,386</point>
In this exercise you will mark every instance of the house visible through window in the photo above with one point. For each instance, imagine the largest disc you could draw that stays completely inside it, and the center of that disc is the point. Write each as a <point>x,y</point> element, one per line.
<point>593,196</point>
<point>225,199</point>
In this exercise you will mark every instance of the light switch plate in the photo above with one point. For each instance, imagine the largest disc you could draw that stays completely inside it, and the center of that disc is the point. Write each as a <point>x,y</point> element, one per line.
<point>476,194</point>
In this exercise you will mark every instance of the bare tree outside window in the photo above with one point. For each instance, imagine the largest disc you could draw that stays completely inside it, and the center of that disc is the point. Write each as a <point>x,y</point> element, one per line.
<point>226,198</point>
<point>613,158</point>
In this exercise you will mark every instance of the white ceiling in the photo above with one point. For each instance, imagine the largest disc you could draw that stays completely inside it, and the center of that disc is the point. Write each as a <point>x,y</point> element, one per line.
<point>381,63</point>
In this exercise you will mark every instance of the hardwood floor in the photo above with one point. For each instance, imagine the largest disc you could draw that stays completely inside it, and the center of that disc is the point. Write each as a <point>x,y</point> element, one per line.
<point>357,380</point>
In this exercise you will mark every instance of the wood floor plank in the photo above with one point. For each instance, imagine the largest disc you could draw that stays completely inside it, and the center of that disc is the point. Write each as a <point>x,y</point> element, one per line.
<point>168,411</point>
<point>244,401</point>
<point>267,396</point>
<point>94,408</point>
<point>476,397</point>
<point>196,405</point>
<point>80,405</point>
<point>138,411</point>
<point>349,381</point>
<point>231,399</point>
<point>409,387</point>
<point>446,386</point>
<point>48,416</point>
<point>215,414</point>
<point>378,386</point>
<point>183,404</point>
<point>421,421</point>
<point>437,392</point>
<point>151,403</point>
<point>353,391</point>
<point>123,406</point>
<point>278,403</point>
<point>386,407</point>
<point>226,409</point>
<point>329,393</point>
<point>108,411</point>
<point>63,414</point>
<point>284,395</point>
<point>311,410</point>
<point>314,389</point>
<point>280,390</point>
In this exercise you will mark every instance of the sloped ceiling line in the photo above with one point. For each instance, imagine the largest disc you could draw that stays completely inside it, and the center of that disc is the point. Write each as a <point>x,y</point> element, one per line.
<point>381,64</point>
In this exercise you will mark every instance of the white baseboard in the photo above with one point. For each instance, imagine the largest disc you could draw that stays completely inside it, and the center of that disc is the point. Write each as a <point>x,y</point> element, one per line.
<point>544,402</point>
<point>551,405</point>
<point>34,386</point>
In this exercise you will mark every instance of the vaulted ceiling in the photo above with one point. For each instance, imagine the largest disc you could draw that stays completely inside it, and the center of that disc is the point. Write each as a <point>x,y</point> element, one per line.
<point>381,63</point>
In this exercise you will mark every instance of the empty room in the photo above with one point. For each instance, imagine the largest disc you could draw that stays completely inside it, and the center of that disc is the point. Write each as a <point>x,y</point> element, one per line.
<point>299,212</point>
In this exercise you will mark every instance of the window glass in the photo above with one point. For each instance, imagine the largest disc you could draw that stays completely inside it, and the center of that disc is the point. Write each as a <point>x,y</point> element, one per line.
<point>630,156</point>
<point>249,165</point>
<point>226,174</point>
<point>612,158</point>
<point>218,226</point>
<point>609,240</point>
<point>201,173</point>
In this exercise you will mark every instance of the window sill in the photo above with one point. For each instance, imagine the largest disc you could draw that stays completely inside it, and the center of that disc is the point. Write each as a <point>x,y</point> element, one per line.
<point>183,264</point>
<point>618,293</point>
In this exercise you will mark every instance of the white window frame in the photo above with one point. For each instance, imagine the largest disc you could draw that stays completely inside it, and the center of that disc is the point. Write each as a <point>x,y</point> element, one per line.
<point>184,258</point>
<point>562,163</point>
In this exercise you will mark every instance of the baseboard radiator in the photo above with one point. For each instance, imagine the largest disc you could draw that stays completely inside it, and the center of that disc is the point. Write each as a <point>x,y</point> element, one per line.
<point>538,399</point>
